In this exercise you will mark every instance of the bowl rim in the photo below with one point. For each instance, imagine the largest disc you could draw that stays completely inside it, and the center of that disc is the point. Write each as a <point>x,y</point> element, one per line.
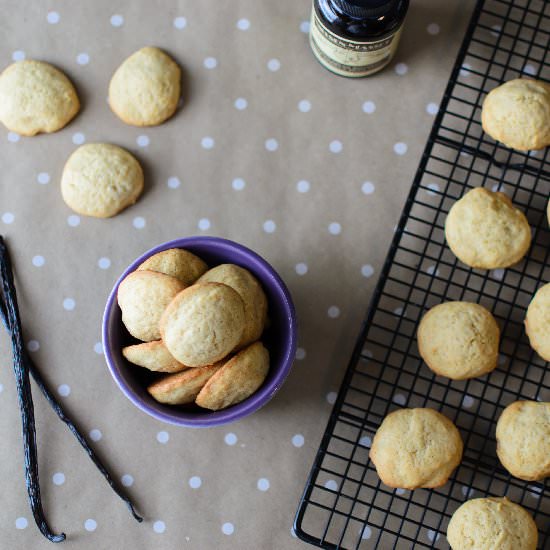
<point>249,405</point>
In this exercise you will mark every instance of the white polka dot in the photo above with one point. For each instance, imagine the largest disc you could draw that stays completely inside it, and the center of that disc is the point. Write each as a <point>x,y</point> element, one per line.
<point>367,270</point>
<point>433,189</point>
<point>495,30</point>
<point>78,138</point>
<point>180,22</point>
<point>18,55</point>
<point>163,437</point>
<point>465,70</point>
<point>467,491</point>
<point>241,104</point>
<point>21,523</point>
<point>333,312</point>
<point>159,527</point>
<point>73,220</point>
<point>127,480</point>
<point>468,401</point>
<point>139,222</point>
<point>243,24</point>
<point>301,268</point>
<point>143,141</point>
<point>366,533</point>
<point>210,63</point>
<point>83,58</point>
<point>43,178</point>
<point>230,439</point>
<point>269,226</point>
<point>530,70</point>
<point>53,17</point>
<point>238,184</point>
<point>432,535</point>
<point>173,182</point>
<point>33,345</point>
<point>304,27</point>
<point>369,107</point>
<point>432,270</point>
<point>104,263</point>
<point>432,108</point>
<point>300,354</point>
<point>207,142</point>
<point>228,528</point>
<point>497,274</point>
<point>433,28</point>
<point>58,478</point>
<point>13,137</point>
<point>273,65</point>
<point>69,304</point>
<point>331,397</point>
<point>38,261</point>
<point>400,148</point>
<point>195,482</point>
<point>334,228</point>
<point>117,20</point>
<point>335,146</point>
<point>204,224</point>
<point>365,441</point>
<point>368,188</point>
<point>298,440</point>
<point>98,348</point>
<point>304,106</point>
<point>8,217</point>
<point>263,484</point>
<point>398,311</point>
<point>399,399</point>
<point>90,525</point>
<point>63,390</point>
<point>331,485</point>
<point>401,69</point>
<point>303,186</point>
<point>271,144</point>
<point>95,435</point>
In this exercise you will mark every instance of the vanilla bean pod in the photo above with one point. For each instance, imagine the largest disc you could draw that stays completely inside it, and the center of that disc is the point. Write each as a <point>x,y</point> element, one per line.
<point>58,408</point>
<point>24,395</point>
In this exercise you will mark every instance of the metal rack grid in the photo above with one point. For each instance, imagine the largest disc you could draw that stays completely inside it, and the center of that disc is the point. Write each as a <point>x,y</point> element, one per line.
<point>344,504</point>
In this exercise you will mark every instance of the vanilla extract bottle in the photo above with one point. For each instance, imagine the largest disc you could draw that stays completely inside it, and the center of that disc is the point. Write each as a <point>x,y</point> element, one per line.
<point>356,38</point>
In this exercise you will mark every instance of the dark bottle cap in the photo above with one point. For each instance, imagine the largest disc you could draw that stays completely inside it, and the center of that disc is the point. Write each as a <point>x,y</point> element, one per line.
<point>365,8</point>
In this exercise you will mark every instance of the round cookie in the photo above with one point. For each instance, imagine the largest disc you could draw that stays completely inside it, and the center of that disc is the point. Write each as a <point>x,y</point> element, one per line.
<point>143,296</point>
<point>178,263</point>
<point>537,322</point>
<point>203,323</point>
<point>459,340</point>
<point>183,387</point>
<point>416,448</point>
<point>153,356</point>
<point>517,113</point>
<point>485,230</point>
<point>523,439</point>
<point>251,292</point>
<point>145,89</point>
<point>100,180</point>
<point>238,379</point>
<point>491,524</point>
<point>36,97</point>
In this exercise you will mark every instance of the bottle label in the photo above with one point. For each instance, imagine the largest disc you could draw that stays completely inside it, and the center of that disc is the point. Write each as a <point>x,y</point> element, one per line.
<point>347,57</point>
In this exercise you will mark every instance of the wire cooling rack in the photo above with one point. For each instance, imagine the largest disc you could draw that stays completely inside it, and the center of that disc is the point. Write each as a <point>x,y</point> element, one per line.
<point>344,504</point>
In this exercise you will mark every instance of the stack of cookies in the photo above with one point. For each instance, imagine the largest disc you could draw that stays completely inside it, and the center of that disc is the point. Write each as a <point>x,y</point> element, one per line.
<point>199,327</point>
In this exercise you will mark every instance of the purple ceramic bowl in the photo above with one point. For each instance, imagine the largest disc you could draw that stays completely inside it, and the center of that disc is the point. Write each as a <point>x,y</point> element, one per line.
<point>279,338</point>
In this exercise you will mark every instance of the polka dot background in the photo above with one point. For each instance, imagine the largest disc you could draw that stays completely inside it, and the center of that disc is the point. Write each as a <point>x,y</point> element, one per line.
<point>268,149</point>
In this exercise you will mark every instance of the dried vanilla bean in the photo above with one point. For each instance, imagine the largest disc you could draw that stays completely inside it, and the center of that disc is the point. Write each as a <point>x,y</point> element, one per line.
<point>31,368</point>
